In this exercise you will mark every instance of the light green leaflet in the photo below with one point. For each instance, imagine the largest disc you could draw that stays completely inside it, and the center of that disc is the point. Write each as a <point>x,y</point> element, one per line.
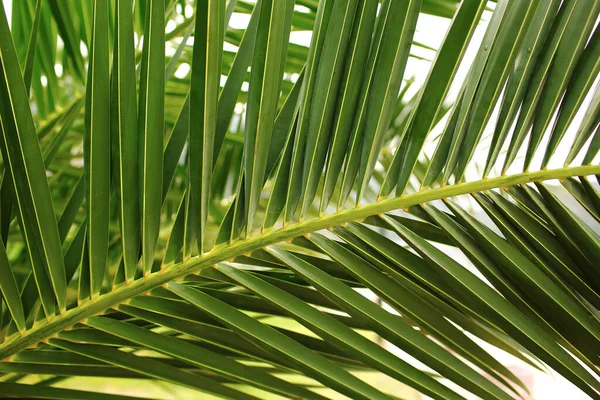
<point>469,88</point>
<point>558,301</point>
<point>22,155</point>
<point>323,103</point>
<point>531,199</point>
<point>62,14</point>
<point>314,364</point>
<point>10,291</point>
<point>398,30</point>
<point>196,355</point>
<point>388,325</point>
<point>295,188</point>
<point>204,91</point>
<point>235,78</point>
<point>524,67</point>
<point>590,122</point>
<point>399,292</point>
<point>547,244</point>
<point>585,193</point>
<point>567,55</point>
<point>582,79</point>
<point>31,48</point>
<point>498,274</point>
<point>339,334</point>
<point>124,136</point>
<point>502,56</point>
<point>97,147</point>
<point>436,88</point>
<point>149,367</point>
<point>442,150</point>
<point>565,17</point>
<point>514,321</point>
<point>358,51</point>
<point>263,98</point>
<point>151,128</point>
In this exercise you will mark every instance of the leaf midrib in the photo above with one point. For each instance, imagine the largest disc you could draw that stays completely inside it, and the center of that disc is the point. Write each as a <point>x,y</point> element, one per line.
<point>123,293</point>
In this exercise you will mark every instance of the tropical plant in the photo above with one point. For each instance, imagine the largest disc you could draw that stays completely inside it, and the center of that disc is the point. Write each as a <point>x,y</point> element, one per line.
<point>184,201</point>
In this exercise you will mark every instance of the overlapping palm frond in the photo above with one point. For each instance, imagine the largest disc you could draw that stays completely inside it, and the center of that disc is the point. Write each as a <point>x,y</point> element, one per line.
<point>194,194</point>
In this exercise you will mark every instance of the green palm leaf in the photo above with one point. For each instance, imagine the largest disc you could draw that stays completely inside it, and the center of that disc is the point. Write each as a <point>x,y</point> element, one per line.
<point>257,199</point>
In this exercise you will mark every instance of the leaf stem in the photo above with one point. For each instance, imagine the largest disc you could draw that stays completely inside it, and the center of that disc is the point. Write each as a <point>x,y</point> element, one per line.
<point>121,294</point>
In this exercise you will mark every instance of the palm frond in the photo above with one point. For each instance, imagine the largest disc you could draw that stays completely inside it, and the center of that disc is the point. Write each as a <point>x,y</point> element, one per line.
<point>191,194</point>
